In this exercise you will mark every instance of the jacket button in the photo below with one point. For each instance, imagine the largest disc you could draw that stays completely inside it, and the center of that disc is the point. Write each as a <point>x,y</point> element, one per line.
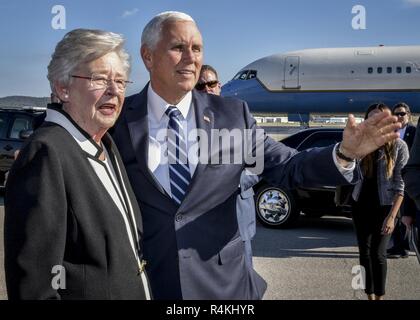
<point>178,217</point>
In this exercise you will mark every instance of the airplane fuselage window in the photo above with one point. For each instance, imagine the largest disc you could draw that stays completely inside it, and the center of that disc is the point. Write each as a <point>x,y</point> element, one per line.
<point>380,70</point>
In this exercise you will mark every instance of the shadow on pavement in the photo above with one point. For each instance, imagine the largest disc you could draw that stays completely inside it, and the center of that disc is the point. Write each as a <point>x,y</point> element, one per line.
<point>327,237</point>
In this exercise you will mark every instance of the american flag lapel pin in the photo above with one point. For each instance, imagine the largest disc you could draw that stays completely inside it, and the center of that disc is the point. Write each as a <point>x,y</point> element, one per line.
<point>207,119</point>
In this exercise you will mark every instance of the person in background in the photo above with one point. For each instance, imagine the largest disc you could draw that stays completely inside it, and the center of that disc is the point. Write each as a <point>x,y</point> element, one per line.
<point>209,80</point>
<point>378,198</point>
<point>411,176</point>
<point>407,132</point>
<point>245,205</point>
<point>72,227</point>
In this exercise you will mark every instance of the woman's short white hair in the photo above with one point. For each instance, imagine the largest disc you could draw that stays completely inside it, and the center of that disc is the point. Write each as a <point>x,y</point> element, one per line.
<point>81,46</point>
<point>152,31</point>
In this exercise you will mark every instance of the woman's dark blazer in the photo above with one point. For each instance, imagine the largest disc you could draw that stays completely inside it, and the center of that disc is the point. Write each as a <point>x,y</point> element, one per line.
<point>58,213</point>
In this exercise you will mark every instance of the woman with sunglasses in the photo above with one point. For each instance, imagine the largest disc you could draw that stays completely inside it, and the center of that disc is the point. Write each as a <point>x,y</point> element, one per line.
<point>377,199</point>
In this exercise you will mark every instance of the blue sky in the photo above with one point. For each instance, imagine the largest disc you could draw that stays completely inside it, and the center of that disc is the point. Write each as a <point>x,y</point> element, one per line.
<point>235,32</point>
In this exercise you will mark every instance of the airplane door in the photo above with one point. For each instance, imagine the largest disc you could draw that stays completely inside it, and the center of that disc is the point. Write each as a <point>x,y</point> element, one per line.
<point>291,73</point>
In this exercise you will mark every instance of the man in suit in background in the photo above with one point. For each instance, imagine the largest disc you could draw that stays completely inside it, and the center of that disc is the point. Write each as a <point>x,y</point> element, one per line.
<point>407,132</point>
<point>208,82</point>
<point>191,240</point>
<point>411,176</point>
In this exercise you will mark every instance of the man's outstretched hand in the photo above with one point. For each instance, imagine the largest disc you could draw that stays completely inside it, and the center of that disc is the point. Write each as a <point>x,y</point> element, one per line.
<point>361,139</point>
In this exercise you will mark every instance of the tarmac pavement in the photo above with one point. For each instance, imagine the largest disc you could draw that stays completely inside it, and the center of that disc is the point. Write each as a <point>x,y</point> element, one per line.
<point>312,262</point>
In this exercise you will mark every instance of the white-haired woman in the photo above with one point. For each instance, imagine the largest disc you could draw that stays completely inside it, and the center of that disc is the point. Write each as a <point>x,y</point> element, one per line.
<point>72,225</point>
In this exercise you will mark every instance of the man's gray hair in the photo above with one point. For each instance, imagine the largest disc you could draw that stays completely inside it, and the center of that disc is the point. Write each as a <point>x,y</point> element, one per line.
<point>81,46</point>
<point>152,31</point>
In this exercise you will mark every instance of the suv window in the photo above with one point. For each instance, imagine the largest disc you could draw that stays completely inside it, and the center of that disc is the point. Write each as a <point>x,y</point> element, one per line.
<point>12,122</point>
<point>321,139</point>
<point>20,123</point>
<point>3,125</point>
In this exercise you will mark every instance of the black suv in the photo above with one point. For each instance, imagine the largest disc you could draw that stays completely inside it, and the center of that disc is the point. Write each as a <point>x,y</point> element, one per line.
<point>16,124</point>
<point>279,207</point>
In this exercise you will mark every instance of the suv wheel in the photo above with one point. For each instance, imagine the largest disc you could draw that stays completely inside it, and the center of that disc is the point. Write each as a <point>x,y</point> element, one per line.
<point>276,207</point>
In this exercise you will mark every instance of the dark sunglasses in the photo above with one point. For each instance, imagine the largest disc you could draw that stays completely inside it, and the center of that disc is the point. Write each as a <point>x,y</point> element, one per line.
<point>400,114</point>
<point>211,84</point>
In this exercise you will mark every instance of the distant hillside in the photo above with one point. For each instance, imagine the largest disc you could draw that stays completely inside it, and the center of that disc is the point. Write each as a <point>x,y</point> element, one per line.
<point>20,101</point>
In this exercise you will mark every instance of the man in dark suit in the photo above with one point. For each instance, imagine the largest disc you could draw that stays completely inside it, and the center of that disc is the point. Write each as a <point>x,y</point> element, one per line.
<point>191,240</point>
<point>407,132</point>
<point>411,176</point>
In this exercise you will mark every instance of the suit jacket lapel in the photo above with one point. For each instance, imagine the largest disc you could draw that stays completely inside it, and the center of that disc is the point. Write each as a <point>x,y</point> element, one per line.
<point>409,135</point>
<point>205,121</point>
<point>138,126</point>
<point>137,121</point>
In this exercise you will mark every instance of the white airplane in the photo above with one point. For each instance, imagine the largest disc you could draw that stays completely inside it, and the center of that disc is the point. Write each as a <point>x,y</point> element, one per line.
<point>330,80</point>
